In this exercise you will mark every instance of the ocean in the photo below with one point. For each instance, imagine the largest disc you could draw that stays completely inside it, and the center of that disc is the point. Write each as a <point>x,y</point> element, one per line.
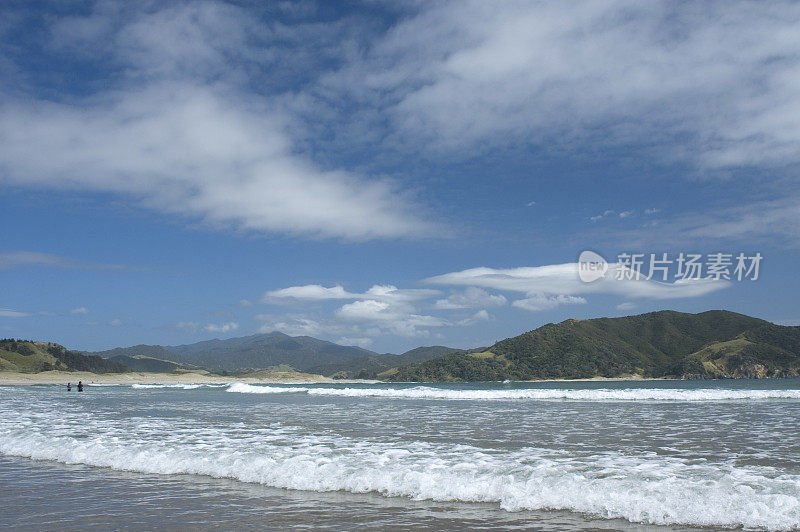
<point>623,455</point>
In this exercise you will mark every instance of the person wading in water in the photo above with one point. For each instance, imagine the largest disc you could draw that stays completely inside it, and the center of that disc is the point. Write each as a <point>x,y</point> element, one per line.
<point>80,386</point>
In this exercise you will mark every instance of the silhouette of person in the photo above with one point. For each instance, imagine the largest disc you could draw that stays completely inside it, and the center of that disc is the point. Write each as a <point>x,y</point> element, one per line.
<point>80,386</point>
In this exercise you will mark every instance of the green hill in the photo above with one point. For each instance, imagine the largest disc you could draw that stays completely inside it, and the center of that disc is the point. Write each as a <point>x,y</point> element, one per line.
<point>248,353</point>
<point>714,344</point>
<point>33,357</point>
<point>369,366</point>
<point>148,364</point>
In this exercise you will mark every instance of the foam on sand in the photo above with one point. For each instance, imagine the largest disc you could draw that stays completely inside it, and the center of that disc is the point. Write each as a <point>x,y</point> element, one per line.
<point>645,487</point>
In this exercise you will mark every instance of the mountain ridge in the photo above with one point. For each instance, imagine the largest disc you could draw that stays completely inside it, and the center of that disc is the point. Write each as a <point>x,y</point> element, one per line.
<point>247,353</point>
<point>711,344</point>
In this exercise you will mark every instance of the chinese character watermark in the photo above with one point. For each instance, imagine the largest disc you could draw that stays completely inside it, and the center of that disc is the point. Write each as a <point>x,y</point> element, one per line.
<point>677,267</point>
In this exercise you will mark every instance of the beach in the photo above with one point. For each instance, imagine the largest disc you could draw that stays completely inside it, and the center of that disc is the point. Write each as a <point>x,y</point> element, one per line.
<point>190,377</point>
<point>639,455</point>
<point>9,378</point>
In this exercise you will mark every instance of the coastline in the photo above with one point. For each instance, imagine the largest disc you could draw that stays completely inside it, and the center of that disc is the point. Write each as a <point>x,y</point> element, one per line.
<point>9,378</point>
<point>63,377</point>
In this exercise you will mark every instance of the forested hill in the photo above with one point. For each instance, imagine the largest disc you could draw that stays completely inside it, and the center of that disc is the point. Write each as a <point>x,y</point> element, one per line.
<point>713,344</point>
<point>247,353</point>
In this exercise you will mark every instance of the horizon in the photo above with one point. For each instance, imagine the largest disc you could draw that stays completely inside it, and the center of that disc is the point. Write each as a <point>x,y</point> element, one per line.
<point>175,172</point>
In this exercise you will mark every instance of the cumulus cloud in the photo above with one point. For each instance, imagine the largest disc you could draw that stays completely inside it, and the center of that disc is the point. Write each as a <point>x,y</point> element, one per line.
<point>481,315</point>
<point>79,310</point>
<point>116,322</point>
<point>315,292</point>
<point>382,309</point>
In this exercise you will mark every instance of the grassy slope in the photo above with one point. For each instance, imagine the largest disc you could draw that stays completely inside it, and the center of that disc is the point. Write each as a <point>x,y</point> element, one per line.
<point>34,357</point>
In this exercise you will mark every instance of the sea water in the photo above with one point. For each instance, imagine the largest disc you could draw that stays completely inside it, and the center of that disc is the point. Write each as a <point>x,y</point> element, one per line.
<point>671,455</point>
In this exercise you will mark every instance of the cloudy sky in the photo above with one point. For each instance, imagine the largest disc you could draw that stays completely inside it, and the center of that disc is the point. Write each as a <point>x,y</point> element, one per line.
<point>390,174</point>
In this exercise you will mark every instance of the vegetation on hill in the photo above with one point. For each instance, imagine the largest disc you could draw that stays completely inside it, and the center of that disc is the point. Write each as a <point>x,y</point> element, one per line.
<point>369,366</point>
<point>714,344</point>
<point>146,364</point>
<point>248,353</point>
<point>32,357</point>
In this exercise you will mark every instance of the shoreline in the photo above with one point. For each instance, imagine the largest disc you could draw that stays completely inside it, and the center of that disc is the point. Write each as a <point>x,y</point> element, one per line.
<point>63,377</point>
<point>88,378</point>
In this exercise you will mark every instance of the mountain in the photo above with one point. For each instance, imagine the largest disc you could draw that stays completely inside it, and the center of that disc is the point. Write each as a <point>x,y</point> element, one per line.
<point>146,364</point>
<point>713,344</point>
<point>248,353</point>
<point>369,366</point>
<point>32,357</point>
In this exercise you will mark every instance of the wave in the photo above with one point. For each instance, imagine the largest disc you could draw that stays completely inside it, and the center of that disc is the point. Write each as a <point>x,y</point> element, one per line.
<point>559,394</point>
<point>181,386</point>
<point>644,488</point>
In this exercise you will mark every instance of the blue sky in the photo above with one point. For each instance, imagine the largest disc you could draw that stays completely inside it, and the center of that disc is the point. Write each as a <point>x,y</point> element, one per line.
<point>387,175</point>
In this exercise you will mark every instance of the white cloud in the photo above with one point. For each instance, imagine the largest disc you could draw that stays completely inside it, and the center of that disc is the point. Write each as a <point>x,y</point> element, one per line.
<point>549,286</point>
<point>471,297</point>
<point>79,310</point>
<point>315,292</point>
<point>176,136</point>
<point>19,259</point>
<point>481,315</point>
<point>312,292</point>
<point>193,326</point>
<point>116,322</point>
<point>222,327</point>
<point>599,217</point>
<point>540,302</point>
<point>757,222</point>
<point>398,319</point>
<point>627,69</point>
<point>626,305</point>
<point>8,313</point>
<point>385,308</point>
<point>360,342</point>
<point>199,152</point>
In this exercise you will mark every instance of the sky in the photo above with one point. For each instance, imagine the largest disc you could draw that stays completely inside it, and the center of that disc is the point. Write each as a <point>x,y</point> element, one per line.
<point>392,174</point>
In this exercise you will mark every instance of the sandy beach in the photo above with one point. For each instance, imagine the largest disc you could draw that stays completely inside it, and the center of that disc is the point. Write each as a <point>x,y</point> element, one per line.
<point>9,378</point>
<point>63,377</point>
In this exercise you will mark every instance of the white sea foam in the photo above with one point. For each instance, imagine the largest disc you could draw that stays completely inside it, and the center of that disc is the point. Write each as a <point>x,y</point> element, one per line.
<point>643,488</point>
<point>558,394</point>
<point>181,386</point>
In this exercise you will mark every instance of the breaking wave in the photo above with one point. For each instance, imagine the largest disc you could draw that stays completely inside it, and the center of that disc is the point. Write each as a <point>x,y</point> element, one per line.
<point>560,394</point>
<point>181,386</point>
<point>643,488</point>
